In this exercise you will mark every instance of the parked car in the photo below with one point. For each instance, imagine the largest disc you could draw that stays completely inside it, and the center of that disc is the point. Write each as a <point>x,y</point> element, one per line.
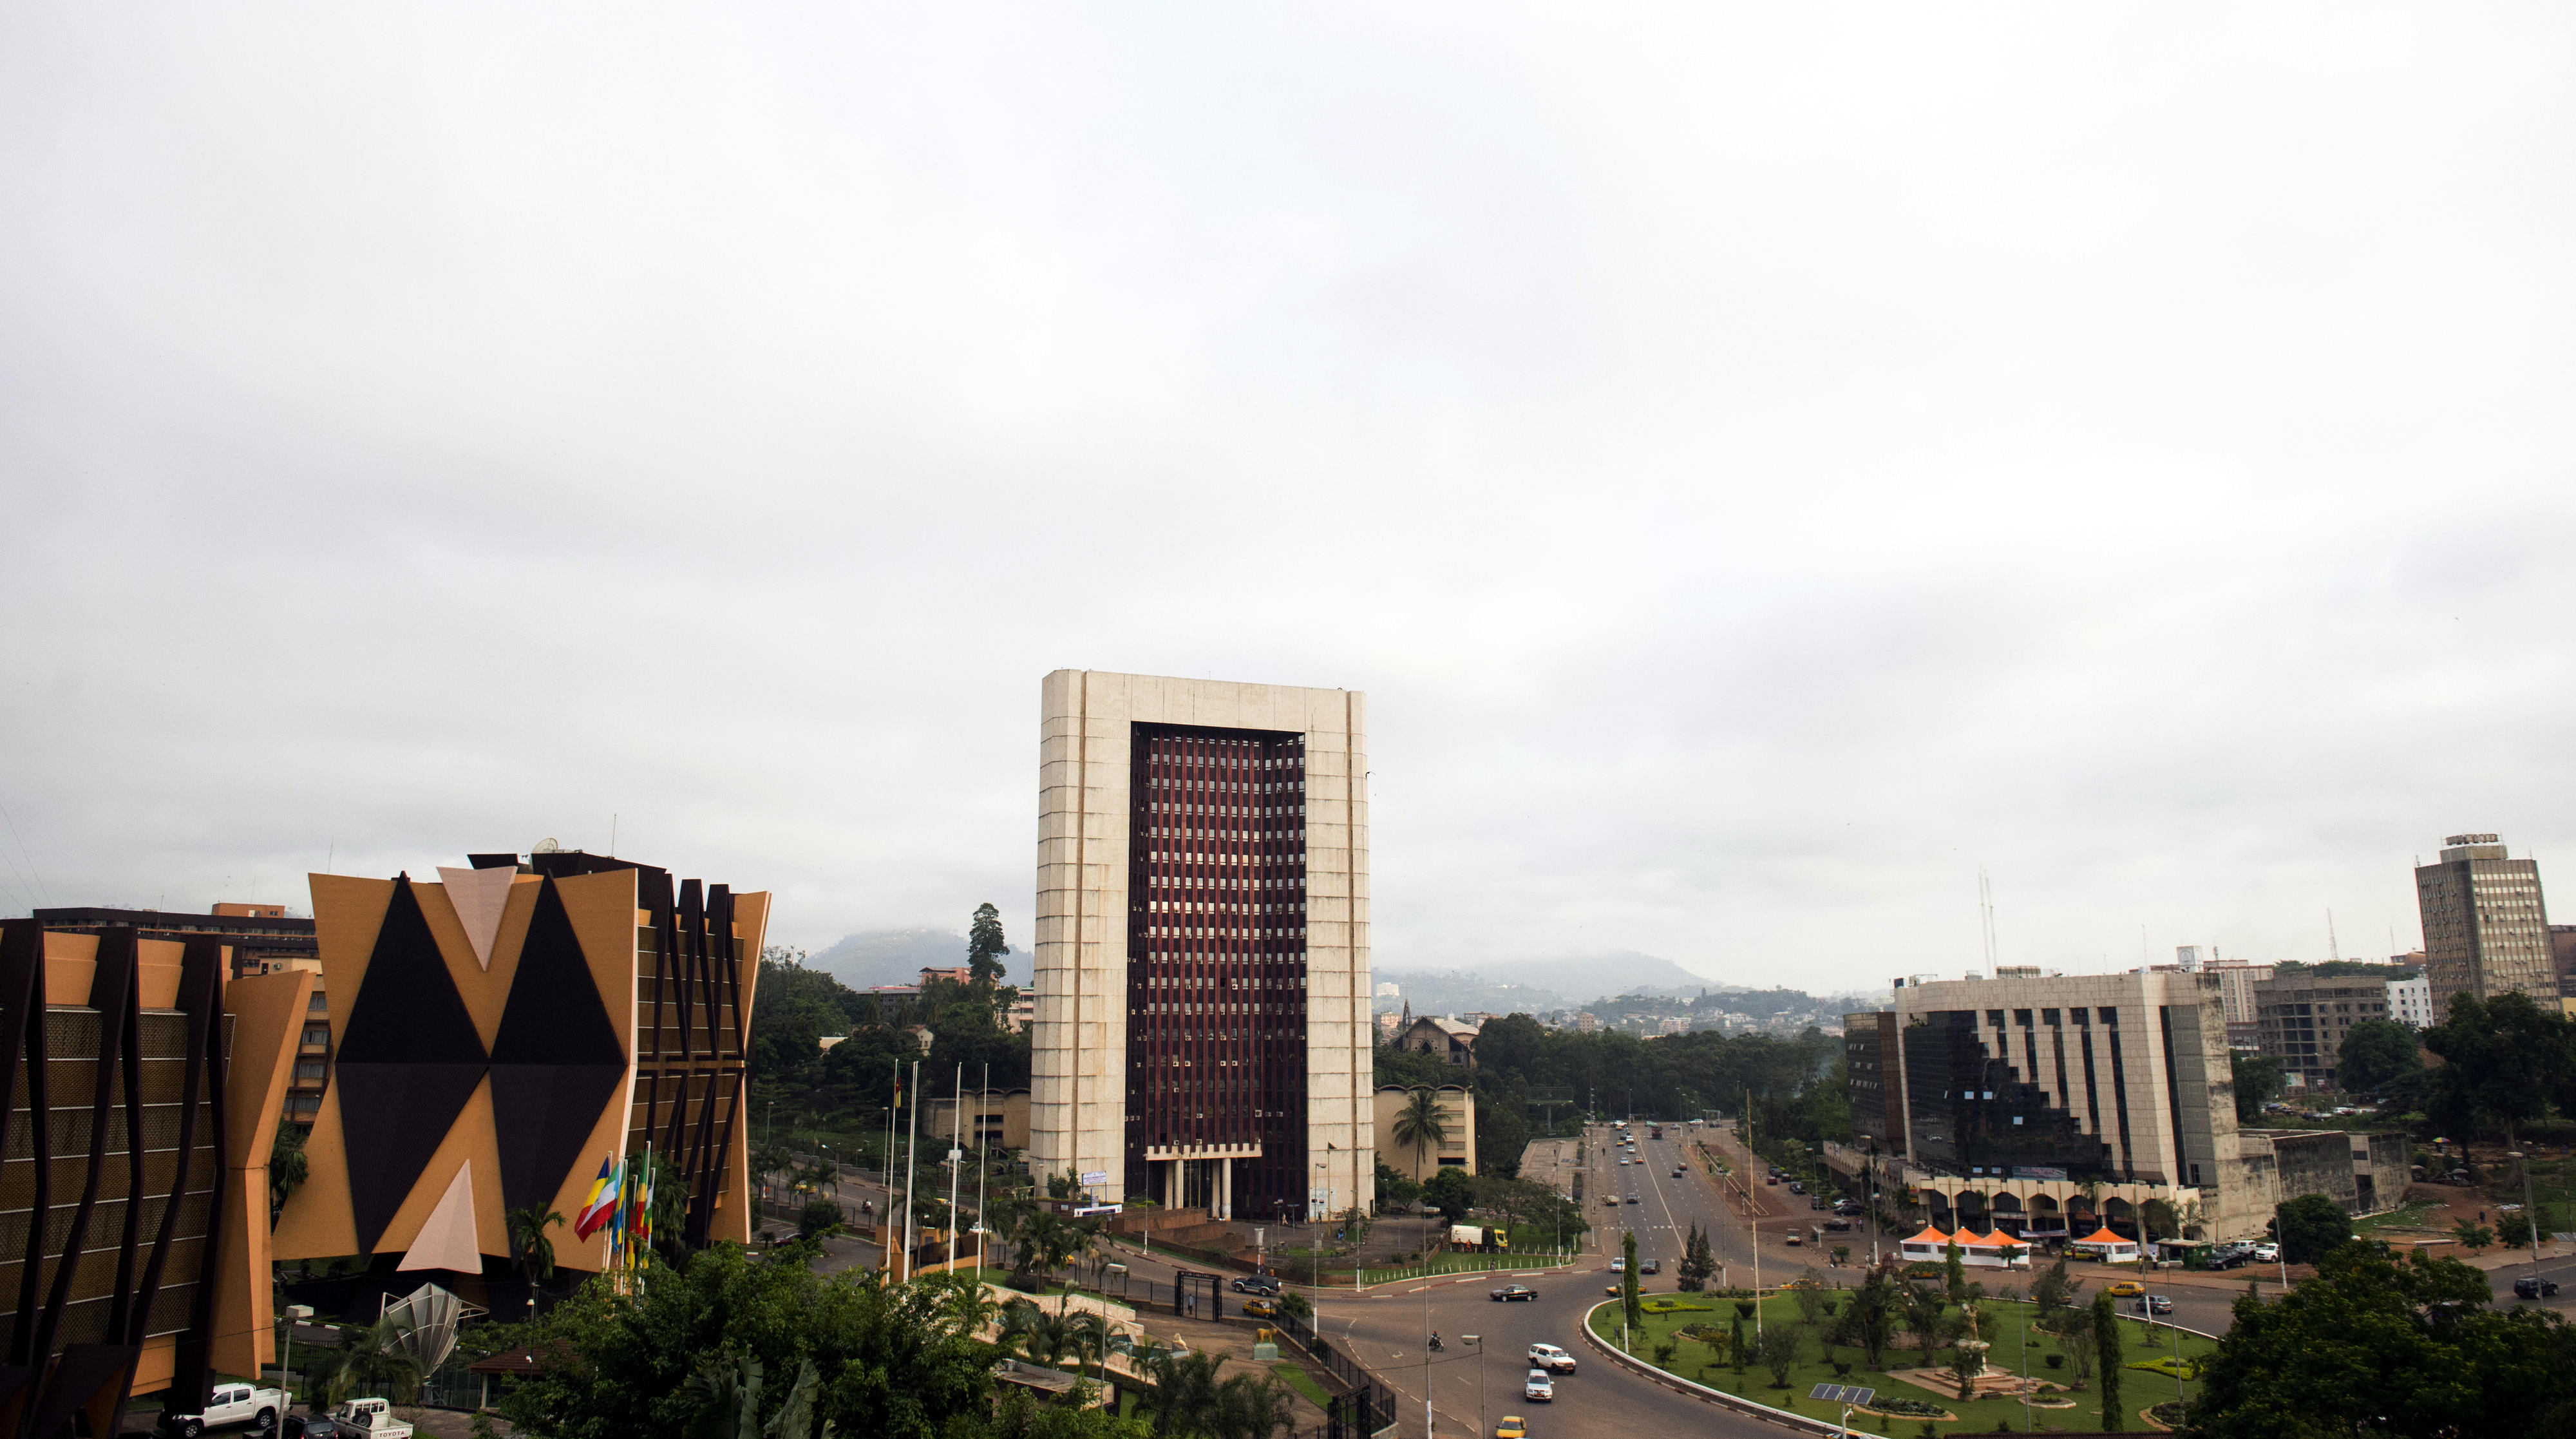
<point>1261,1307</point>
<point>1549,1357</point>
<point>2126,1289</point>
<point>2155,1304</point>
<point>2224,1260</point>
<point>2268,1253</point>
<point>1514,1292</point>
<point>2533,1287</point>
<point>311,1426</point>
<point>371,1417</point>
<point>1838,1224</point>
<point>1774,1179</point>
<point>1650,1266</point>
<point>1797,1186</point>
<point>1256,1284</point>
<point>1538,1387</point>
<point>229,1405</point>
<point>1847,1206</point>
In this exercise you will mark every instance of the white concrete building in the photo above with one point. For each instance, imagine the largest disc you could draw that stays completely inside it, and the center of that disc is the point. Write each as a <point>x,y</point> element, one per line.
<point>1203,1032</point>
<point>2410,1002</point>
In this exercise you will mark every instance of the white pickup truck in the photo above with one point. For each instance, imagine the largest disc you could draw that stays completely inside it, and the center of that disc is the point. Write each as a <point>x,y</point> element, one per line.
<point>372,1417</point>
<point>231,1404</point>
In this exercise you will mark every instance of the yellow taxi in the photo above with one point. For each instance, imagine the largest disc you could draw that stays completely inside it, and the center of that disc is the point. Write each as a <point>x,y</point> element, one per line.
<point>1512,1427</point>
<point>2126,1289</point>
<point>1261,1308</point>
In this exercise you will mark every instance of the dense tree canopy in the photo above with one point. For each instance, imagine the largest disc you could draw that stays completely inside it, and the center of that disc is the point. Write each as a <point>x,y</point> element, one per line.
<point>2258,1081</point>
<point>899,1361</point>
<point>2373,1346</point>
<point>2378,1056</point>
<point>2504,1061</point>
<point>2309,1227</point>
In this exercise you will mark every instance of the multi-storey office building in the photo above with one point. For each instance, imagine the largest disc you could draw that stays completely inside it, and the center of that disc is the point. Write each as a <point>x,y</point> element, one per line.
<point>1202,974</point>
<point>2301,1020</point>
<point>2486,927</point>
<point>261,939</point>
<point>506,1030</point>
<point>139,1094</point>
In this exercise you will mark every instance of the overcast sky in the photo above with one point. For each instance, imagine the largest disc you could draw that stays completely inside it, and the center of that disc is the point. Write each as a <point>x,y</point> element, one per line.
<point>1761,464</point>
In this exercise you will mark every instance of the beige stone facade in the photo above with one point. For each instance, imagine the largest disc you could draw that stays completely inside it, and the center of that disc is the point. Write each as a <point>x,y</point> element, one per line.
<point>2486,924</point>
<point>1457,1148</point>
<point>1086,842</point>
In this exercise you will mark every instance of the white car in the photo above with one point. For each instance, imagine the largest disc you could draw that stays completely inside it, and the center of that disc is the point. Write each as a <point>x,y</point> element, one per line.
<point>1539,1387</point>
<point>1619,1265</point>
<point>2268,1253</point>
<point>231,1404</point>
<point>372,1417</point>
<point>1548,1356</point>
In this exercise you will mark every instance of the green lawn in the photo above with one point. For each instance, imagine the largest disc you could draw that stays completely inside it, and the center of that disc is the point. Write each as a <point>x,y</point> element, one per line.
<point>1498,1264</point>
<point>1303,1382</point>
<point>2002,1322</point>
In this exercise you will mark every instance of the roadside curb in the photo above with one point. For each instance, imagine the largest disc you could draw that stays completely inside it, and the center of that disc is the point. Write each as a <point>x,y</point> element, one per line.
<point>1679,1385</point>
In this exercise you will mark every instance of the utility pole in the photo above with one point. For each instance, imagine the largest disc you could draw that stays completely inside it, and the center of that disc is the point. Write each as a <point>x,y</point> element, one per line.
<point>956,1157</point>
<point>981,1239</point>
<point>911,1163</point>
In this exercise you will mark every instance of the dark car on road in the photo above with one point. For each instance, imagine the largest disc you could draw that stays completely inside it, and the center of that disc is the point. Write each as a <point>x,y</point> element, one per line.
<point>1797,1186</point>
<point>1514,1291</point>
<point>2155,1304</point>
<point>2533,1287</point>
<point>1650,1266</point>
<point>1632,1199</point>
<point>1261,1284</point>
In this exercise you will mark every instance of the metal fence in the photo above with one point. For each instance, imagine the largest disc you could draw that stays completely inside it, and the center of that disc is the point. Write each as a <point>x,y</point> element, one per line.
<point>1368,1409</point>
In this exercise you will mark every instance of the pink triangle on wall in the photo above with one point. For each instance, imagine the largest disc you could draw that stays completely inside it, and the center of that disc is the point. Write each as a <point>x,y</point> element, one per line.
<point>448,1239</point>
<point>478,897</point>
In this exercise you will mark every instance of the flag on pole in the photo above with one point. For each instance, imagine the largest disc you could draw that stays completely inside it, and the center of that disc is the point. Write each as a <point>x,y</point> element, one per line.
<point>644,1210</point>
<point>602,1204</point>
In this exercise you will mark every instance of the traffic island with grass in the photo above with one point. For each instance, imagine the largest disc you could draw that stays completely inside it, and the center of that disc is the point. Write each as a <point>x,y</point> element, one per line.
<point>2023,1373</point>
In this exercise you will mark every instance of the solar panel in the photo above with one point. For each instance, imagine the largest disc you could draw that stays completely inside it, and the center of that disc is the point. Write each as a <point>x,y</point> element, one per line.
<point>1842,1394</point>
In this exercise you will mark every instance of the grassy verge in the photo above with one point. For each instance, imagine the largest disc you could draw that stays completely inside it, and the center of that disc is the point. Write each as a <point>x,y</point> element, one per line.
<point>1496,1264</point>
<point>1303,1382</point>
<point>2409,1217</point>
<point>2014,1346</point>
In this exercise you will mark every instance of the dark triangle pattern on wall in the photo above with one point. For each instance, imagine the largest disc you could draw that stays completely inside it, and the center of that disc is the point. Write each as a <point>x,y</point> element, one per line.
<point>408,1063</point>
<point>556,1061</point>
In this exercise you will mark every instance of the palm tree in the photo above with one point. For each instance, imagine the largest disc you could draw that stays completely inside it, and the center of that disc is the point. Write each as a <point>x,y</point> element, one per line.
<point>1421,1127</point>
<point>286,1168</point>
<point>530,1249</point>
<point>1089,1334</point>
<point>370,1362</point>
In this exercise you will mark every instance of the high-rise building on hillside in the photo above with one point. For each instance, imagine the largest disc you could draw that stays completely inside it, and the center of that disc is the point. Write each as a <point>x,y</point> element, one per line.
<point>1203,1032</point>
<point>2486,930</point>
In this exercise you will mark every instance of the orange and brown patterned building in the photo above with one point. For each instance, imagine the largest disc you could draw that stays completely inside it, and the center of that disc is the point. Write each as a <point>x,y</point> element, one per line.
<point>498,1033</point>
<point>140,1084</point>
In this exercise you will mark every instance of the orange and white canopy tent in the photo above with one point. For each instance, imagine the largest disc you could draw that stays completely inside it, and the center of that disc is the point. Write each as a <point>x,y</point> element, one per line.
<point>2107,1244</point>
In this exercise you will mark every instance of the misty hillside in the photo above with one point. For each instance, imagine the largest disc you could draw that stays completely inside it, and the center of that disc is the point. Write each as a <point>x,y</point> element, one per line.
<point>1543,983</point>
<point>896,956</point>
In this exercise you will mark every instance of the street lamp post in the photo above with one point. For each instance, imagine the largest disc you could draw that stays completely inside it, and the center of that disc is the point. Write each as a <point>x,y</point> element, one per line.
<point>1479,1341</point>
<point>2530,1215</point>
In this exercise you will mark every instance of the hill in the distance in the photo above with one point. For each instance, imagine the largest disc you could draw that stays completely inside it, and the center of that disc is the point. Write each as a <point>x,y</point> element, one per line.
<point>897,956</point>
<point>1554,983</point>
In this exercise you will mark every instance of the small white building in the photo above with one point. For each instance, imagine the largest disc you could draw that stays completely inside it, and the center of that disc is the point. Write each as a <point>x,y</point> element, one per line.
<point>2410,1002</point>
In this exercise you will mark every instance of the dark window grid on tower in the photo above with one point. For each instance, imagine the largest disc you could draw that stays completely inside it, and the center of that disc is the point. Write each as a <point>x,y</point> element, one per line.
<point>1216,944</point>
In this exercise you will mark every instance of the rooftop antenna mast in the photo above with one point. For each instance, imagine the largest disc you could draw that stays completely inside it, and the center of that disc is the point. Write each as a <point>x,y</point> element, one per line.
<point>1986,912</point>
<point>2333,950</point>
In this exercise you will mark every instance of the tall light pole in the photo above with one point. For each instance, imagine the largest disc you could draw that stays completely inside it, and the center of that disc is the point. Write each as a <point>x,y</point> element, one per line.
<point>1479,1341</point>
<point>2530,1215</point>
<point>956,1158</point>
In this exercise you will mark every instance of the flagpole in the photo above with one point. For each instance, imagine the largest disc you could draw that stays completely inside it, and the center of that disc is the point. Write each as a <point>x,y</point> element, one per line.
<point>911,1163</point>
<point>956,1156</point>
<point>887,1169</point>
<point>980,1233</point>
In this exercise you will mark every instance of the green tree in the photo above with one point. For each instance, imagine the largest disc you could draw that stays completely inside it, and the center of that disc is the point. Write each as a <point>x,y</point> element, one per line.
<point>2377,1055</point>
<point>1394,1190</point>
<point>2074,1331</point>
<point>2106,1355</point>
<point>985,946</point>
<point>2472,1235</point>
<point>1420,1126</point>
<point>1738,1353</point>
<point>1869,1321</point>
<point>530,1249</point>
<point>2158,1219</point>
<point>896,1360</point>
<point>2257,1080</point>
<point>2309,1226</point>
<point>818,1218</point>
<point>370,1363</point>
<point>1628,1281</point>
<point>1777,1351</point>
<point>1954,1273</point>
<point>1451,1192</point>
<point>2382,1347</point>
<point>286,1166</point>
<point>2514,1230</point>
<point>1502,1133</point>
<point>2503,1061</point>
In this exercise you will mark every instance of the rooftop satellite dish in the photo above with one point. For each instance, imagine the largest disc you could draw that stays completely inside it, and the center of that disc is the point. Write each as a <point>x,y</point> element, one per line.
<point>547,846</point>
